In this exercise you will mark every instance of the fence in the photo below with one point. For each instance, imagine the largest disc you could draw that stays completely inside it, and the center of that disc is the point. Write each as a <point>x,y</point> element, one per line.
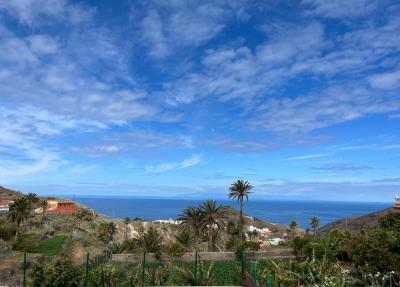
<point>199,266</point>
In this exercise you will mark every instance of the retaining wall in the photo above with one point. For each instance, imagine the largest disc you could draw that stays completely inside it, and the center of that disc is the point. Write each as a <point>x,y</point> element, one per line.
<point>209,256</point>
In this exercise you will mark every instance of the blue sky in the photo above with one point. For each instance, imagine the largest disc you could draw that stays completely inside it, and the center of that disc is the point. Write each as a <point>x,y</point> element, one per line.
<point>181,98</point>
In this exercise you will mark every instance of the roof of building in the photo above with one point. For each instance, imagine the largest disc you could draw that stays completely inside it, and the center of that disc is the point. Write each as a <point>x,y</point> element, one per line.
<point>4,201</point>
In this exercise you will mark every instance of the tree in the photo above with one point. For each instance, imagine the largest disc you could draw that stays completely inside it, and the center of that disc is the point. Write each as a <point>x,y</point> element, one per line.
<point>107,231</point>
<point>314,224</point>
<point>185,239</point>
<point>211,216</point>
<point>240,189</point>
<point>293,226</point>
<point>191,222</point>
<point>149,241</point>
<point>44,205</point>
<point>19,212</point>
<point>32,198</point>
<point>126,222</point>
<point>78,219</point>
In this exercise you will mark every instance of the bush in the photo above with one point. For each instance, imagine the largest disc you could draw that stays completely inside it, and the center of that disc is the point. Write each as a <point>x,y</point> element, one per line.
<point>175,249</point>
<point>62,274</point>
<point>247,246</point>
<point>24,242</point>
<point>7,230</point>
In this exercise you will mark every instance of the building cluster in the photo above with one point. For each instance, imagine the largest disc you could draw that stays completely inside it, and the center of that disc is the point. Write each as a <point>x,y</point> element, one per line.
<point>5,205</point>
<point>56,206</point>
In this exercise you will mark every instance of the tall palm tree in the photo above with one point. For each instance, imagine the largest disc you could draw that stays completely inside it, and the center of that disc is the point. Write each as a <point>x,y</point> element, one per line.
<point>240,189</point>
<point>211,216</point>
<point>126,222</point>
<point>190,219</point>
<point>19,212</point>
<point>314,223</point>
<point>44,205</point>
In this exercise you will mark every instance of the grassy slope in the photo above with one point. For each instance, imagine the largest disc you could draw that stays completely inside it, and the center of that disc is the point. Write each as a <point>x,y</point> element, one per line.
<point>50,246</point>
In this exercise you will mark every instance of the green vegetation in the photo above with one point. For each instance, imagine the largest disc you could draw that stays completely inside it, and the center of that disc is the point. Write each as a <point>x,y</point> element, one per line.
<point>50,246</point>
<point>367,257</point>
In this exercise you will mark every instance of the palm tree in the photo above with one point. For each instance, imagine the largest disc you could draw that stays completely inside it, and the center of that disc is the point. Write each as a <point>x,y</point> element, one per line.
<point>32,198</point>
<point>240,189</point>
<point>150,241</point>
<point>78,218</point>
<point>126,222</point>
<point>314,223</point>
<point>185,239</point>
<point>44,205</point>
<point>107,231</point>
<point>19,211</point>
<point>293,226</point>
<point>211,216</point>
<point>191,222</point>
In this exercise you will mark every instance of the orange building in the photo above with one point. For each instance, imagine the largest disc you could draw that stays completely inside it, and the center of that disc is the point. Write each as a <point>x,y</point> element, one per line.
<point>60,206</point>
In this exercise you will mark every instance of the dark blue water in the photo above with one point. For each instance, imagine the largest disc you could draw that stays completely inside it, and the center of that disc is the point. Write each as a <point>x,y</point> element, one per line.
<point>273,211</point>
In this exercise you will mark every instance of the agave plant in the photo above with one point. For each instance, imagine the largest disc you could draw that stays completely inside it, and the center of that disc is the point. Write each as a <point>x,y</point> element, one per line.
<point>106,275</point>
<point>117,247</point>
<point>204,275</point>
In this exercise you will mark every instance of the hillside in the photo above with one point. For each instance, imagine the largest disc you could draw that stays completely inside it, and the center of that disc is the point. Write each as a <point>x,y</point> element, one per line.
<point>355,222</point>
<point>8,193</point>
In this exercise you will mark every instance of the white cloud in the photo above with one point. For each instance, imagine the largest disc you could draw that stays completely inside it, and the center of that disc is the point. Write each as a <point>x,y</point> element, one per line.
<point>309,156</point>
<point>386,81</point>
<point>186,163</point>
<point>170,25</point>
<point>42,44</point>
<point>335,105</point>
<point>340,8</point>
<point>31,12</point>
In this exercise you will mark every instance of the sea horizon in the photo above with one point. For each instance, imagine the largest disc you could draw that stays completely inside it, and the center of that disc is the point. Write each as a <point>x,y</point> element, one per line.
<point>272,210</point>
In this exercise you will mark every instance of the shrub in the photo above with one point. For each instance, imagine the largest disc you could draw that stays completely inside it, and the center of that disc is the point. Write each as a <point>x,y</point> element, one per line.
<point>62,274</point>
<point>175,249</point>
<point>247,246</point>
<point>24,242</point>
<point>7,230</point>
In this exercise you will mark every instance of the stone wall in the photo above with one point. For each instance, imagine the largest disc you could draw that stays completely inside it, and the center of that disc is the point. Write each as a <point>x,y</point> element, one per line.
<point>211,256</point>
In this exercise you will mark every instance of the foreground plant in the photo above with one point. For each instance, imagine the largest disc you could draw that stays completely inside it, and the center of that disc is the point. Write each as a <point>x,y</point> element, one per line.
<point>203,277</point>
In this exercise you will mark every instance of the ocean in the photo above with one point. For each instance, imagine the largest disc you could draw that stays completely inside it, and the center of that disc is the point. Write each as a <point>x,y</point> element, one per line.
<point>277,211</point>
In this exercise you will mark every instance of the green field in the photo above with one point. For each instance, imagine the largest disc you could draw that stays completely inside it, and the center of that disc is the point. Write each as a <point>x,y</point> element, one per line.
<point>50,246</point>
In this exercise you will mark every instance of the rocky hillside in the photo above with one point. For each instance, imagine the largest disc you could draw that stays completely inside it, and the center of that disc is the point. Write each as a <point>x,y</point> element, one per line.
<point>8,193</point>
<point>355,222</point>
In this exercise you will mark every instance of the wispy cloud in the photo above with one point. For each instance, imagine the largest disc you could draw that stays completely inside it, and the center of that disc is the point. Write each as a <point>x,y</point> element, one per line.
<point>310,156</point>
<point>393,146</point>
<point>342,167</point>
<point>186,163</point>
